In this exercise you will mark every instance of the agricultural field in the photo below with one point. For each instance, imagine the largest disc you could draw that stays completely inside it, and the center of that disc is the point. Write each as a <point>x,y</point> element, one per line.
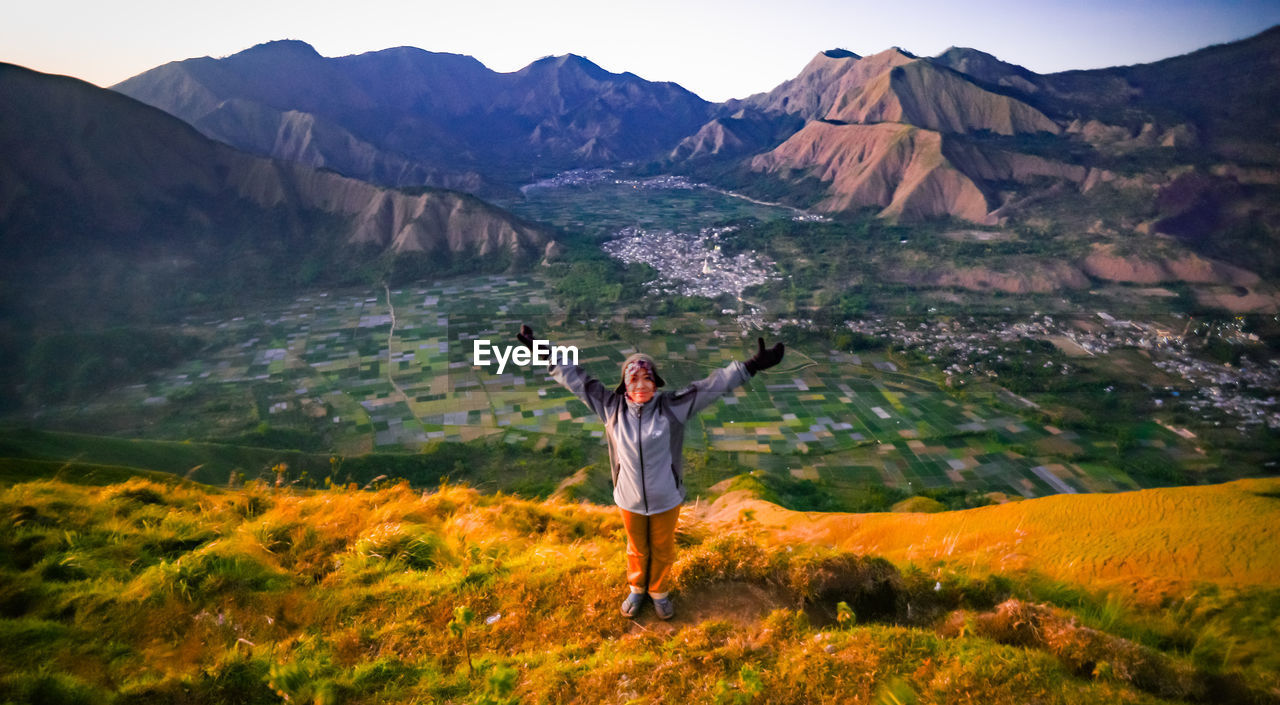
<point>600,204</point>
<point>387,371</point>
<point>333,367</point>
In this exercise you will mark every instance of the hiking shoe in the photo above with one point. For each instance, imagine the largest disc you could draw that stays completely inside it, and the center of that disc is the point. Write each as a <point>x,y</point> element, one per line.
<point>631,606</point>
<point>664,608</point>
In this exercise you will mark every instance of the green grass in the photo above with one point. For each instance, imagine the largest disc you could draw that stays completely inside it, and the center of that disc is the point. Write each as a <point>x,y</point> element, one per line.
<point>15,470</point>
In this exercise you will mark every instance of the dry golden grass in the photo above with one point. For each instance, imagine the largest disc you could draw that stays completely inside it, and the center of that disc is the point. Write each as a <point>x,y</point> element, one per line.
<point>152,593</point>
<point>1154,542</point>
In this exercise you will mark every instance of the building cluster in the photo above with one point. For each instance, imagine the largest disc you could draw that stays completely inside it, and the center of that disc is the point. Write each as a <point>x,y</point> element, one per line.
<point>660,182</point>
<point>975,345</point>
<point>691,264</point>
<point>587,177</point>
<point>1246,391</point>
<point>575,177</point>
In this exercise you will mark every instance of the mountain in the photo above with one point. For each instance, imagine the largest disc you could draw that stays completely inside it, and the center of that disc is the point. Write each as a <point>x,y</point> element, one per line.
<point>306,139</point>
<point>96,186</point>
<point>596,116</point>
<point>745,131</point>
<point>880,130</point>
<point>988,70</point>
<point>405,116</point>
<point>894,86</point>
<point>1226,92</point>
<point>908,172</point>
<point>898,168</point>
<point>923,94</point>
<point>828,76</point>
<point>1185,148</point>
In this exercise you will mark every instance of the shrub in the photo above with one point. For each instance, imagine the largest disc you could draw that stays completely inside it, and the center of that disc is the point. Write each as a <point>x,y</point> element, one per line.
<point>30,641</point>
<point>49,688</point>
<point>305,681</point>
<point>238,681</point>
<point>139,491</point>
<point>414,546</point>
<point>200,575</point>
<point>559,522</point>
<point>1091,653</point>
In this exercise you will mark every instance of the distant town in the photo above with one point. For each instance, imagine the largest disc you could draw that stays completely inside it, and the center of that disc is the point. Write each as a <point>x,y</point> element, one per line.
<point>691,265</point>
<point>1246,392</point>
<point>588,177</point>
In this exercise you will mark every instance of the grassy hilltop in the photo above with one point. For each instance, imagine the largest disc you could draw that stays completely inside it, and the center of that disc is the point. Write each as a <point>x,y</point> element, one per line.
<point>158,590</point>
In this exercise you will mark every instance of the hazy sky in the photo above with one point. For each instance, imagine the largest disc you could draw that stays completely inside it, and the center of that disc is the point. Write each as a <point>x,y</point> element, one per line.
<point>719,49</point>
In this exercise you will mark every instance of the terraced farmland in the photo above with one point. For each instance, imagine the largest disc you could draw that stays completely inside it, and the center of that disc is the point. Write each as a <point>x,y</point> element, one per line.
<point>334,365</point>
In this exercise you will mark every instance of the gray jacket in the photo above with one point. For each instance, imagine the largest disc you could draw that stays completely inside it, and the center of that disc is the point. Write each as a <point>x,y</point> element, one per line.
<point>646,440</point>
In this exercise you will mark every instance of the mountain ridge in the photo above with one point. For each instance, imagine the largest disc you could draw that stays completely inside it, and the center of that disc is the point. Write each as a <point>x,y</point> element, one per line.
<point>93,171</point>
<point>446,113</point>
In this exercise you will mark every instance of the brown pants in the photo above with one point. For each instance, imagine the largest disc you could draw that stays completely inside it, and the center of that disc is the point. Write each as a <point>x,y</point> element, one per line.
<point>651,550</point>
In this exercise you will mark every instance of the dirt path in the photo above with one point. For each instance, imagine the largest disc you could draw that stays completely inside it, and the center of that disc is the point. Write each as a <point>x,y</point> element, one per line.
<point>391,335</point>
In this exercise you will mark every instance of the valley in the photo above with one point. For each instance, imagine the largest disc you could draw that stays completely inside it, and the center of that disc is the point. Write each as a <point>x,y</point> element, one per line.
<point>947,396</point>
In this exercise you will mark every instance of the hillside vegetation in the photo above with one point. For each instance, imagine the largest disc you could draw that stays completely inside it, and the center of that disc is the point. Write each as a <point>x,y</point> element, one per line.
<point>157,590</point>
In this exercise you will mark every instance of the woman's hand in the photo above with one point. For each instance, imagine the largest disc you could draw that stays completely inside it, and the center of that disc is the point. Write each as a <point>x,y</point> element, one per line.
<point>764,357</point>
<point>525,336</point>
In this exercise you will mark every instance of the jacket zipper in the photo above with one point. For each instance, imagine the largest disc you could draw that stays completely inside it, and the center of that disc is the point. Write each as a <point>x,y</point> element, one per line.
<point>644,491</point>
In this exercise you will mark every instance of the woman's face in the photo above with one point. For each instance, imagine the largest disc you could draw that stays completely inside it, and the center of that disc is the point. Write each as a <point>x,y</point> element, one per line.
<point>640,386</point>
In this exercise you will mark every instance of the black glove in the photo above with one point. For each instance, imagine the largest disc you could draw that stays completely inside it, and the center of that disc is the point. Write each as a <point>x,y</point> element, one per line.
<point>764,357</point>
<point>525,336</point>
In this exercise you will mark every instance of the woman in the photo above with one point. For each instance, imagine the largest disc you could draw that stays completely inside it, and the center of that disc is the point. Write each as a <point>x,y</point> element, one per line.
<point>645,432</point>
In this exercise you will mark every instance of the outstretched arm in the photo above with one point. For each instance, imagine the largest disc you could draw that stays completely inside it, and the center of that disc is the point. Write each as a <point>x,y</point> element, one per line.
<point>572,377</point>
<point>701,394</point>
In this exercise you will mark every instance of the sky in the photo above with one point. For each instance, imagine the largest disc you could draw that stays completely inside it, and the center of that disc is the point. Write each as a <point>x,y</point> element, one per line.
<point>719,49</point>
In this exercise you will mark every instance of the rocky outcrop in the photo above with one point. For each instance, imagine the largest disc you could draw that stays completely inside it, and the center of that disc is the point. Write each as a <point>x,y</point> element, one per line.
<point>716,138</point>
<point>1121,138</point>
<point>393,220</point>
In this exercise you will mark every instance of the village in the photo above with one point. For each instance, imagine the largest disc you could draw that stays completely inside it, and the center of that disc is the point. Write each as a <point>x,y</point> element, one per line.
<point>587,177</point>
<point>1246,391</point>
<point>691,265</point>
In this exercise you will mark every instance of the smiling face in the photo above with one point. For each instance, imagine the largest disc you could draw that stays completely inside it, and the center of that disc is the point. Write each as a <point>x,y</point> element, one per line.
<point>639,382</point>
